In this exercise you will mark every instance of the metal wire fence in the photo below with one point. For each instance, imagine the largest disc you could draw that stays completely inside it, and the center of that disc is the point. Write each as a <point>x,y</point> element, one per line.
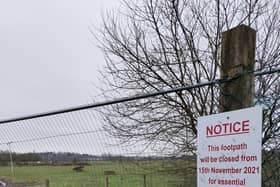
<point>71,148</point>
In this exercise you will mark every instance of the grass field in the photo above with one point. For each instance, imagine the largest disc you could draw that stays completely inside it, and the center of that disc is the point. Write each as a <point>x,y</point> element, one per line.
<point>126,174</point>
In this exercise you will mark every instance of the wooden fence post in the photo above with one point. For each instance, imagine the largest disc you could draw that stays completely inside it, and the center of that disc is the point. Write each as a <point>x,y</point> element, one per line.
<point>106,181</point>
<point>47,183</point>
<point>238,60</point>
<point>144,181</point>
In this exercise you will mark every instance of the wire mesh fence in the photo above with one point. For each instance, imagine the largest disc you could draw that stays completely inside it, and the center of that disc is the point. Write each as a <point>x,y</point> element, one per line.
<point>72,149</point>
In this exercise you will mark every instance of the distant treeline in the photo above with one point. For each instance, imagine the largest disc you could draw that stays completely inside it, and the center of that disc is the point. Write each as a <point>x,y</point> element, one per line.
<point>66,157</point>
<point>18,157</point>
<point>62,157</point>
<point>46,157</point>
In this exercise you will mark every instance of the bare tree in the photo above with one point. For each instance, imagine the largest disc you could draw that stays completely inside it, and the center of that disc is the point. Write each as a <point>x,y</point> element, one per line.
<point>153,45</point>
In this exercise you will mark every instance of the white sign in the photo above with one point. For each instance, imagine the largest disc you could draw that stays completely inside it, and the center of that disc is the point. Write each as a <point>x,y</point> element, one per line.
<point>229,149</point>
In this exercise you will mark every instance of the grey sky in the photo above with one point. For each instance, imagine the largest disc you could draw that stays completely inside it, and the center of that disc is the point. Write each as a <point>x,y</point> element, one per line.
<point>47,57</point>
<point>48,62</point>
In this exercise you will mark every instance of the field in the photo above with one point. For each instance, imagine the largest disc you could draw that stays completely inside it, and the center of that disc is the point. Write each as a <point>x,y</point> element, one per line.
<point>118,173</point>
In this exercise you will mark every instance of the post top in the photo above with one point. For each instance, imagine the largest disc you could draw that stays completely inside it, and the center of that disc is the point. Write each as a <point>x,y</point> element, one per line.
<point>240,27</point>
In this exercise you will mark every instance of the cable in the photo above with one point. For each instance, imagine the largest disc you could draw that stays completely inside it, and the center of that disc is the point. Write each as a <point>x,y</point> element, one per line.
<point>49,137</point>
<point>137,97</point>
<point>64,122</point>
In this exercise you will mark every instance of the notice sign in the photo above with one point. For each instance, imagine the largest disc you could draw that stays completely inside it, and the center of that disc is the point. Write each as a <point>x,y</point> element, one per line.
<point>229,149</point>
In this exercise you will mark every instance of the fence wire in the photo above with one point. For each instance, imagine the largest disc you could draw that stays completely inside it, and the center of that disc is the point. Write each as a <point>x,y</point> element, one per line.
<point>71,148</point>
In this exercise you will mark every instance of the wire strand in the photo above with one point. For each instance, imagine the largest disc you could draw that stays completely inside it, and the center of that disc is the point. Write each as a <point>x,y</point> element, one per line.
<point>138,97</point>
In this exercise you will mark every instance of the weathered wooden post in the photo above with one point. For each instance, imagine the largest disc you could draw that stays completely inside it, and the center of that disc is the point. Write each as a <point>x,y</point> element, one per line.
<point>237,60</point>
<point>106,181</point>
<point>144,180</point>
<point>47,183</point>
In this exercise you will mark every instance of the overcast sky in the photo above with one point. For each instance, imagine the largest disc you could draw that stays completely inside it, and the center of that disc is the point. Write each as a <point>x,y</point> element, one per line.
<point>47,54</point>
<point>49,61</point>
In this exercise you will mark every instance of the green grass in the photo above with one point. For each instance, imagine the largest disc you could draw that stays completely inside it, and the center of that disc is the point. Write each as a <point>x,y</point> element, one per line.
<point>127,174</point>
